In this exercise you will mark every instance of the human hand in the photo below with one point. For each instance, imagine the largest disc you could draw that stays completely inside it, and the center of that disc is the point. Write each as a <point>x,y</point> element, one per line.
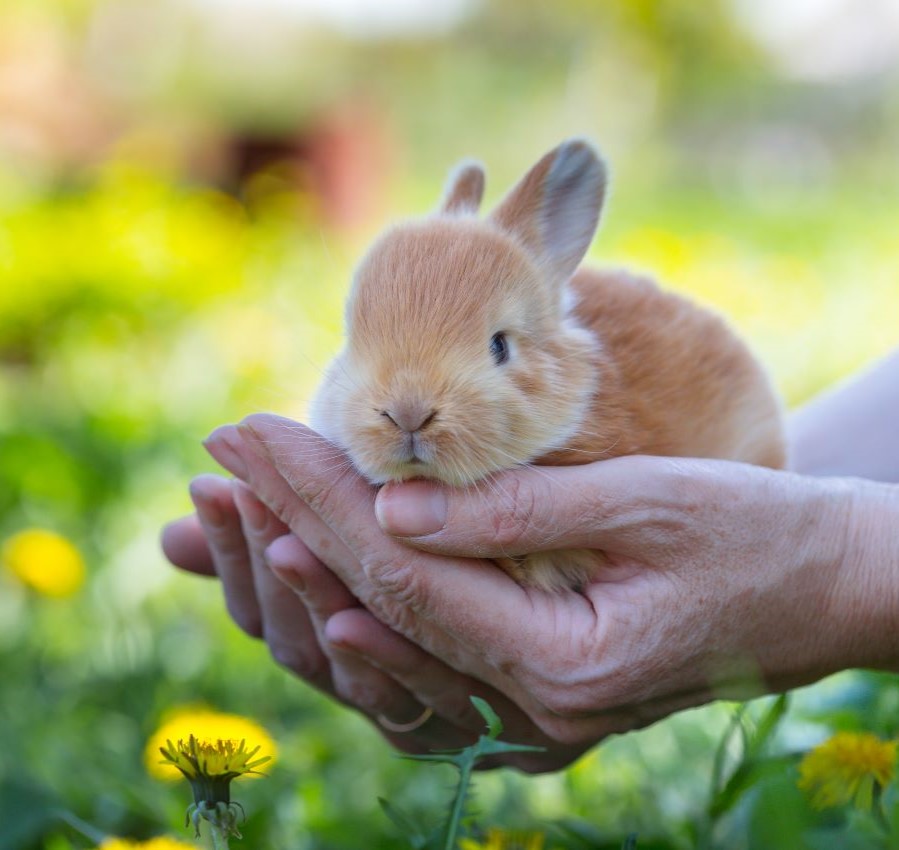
<point>277,590</point>
<point>724,579</point>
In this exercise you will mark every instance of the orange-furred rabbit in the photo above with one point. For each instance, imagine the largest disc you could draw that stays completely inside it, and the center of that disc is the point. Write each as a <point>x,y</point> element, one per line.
<point>475,345</point>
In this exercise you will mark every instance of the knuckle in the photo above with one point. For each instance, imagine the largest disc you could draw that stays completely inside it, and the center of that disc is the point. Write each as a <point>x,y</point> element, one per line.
<point>298,659</point>
<point>399,584</point>
<point>512,518</point>
<point>362,694</point>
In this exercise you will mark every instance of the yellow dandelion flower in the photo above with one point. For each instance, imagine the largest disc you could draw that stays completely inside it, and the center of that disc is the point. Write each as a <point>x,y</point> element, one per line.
<point>45,561</point>
<point>845,769</point>
<point>209,768</point>
<point>208,728</point>
<point>159,843</point>
<point>501,839</point>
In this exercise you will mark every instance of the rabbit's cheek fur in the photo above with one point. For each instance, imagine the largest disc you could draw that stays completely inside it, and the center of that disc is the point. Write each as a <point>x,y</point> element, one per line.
<point>472,434</point>
<point>559,378</point>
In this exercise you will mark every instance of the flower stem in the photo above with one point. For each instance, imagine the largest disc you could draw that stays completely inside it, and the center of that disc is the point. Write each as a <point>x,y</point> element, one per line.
<point>455,819</point>
<point>219,836</point>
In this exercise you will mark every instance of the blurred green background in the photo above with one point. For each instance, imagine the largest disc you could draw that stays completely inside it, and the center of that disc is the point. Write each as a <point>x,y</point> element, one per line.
<point>184,188</point>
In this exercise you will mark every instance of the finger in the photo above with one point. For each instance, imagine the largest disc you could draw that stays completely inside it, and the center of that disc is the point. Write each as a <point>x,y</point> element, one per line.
<point>218,517</point>
<point>184,544</point>
<point>286,627</point>
<point>593,506</point>
<point>356,681</point>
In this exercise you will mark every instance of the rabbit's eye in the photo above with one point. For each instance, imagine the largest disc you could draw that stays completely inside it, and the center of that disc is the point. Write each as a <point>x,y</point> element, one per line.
<point>499,348</point>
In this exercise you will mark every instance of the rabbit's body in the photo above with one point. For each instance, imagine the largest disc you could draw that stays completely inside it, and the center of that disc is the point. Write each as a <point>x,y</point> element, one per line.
<point>675,379</point>
<point>475,346</point>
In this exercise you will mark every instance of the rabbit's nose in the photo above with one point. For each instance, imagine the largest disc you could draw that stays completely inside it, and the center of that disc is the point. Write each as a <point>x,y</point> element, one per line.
<point>410,417</point>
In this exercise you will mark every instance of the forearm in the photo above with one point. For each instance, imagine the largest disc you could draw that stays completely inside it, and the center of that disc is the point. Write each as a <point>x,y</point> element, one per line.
<point>852,429</point>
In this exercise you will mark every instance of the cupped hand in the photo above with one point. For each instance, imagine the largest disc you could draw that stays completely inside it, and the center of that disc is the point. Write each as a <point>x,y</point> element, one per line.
<point>276,589</point>
<point>723,580</point>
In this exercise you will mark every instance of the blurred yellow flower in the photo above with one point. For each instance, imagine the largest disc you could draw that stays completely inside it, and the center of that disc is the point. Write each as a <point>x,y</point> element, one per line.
<point>159,843</point>
<point>500,839</point>
<point>209,729</point>
<point>45,561</point>
<point>845,767</point>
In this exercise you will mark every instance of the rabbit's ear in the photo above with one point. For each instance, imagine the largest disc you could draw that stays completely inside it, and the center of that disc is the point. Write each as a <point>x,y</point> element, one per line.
<point>464,189</point>
<point>554,210</point>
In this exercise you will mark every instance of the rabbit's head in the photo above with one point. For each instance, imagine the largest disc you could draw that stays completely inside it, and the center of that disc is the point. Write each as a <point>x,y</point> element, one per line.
<point>462,354</point>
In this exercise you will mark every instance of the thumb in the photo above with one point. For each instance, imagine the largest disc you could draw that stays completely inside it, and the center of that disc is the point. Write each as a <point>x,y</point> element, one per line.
<point>595,506</point>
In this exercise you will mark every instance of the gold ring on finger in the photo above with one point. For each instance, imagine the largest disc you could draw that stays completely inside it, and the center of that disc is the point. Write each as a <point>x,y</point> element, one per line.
<point>392,726</point>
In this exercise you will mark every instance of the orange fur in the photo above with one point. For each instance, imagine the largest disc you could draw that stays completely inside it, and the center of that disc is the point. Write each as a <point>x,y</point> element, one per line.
<point>418,391</point>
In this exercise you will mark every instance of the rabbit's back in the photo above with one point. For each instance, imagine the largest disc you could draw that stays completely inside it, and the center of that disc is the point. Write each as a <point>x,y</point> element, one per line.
<point>675,379</point>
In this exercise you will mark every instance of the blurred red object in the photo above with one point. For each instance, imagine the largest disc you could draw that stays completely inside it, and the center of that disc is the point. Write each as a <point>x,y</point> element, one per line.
<point>342,158</point>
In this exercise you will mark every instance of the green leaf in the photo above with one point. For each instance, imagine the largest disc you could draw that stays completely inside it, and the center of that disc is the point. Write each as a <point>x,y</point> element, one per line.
<point>489,747</point>
<point>736,723</point>
<point>749,773</point>
<point>767,725</point>
<point>491,718</point>
<point>439,758</point>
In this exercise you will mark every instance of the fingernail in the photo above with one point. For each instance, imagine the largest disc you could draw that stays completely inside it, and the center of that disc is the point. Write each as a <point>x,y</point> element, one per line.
<point>413,509</point>
<point>251,509</point>
<point>224,445</point>
<point>336,636</point>
<point>208,508</point>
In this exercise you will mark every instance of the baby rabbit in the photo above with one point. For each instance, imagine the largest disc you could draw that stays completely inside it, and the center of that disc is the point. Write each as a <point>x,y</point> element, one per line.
<point>476,345</point>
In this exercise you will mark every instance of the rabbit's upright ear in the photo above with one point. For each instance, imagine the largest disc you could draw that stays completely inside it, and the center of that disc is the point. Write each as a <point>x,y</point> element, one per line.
<point>464,189</point>
<point>554,210</point>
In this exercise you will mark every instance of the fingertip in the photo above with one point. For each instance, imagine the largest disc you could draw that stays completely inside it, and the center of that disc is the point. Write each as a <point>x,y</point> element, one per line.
<point>285,550</point>
<point>169,539</point>
<point>225,444</point>
<point>184,544</point>
<point>285,557</point>
<point>352,630</point>
<point>295,564</point>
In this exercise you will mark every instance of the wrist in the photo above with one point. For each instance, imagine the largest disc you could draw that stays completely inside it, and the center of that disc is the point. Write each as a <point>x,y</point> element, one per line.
<point>868,574</point>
